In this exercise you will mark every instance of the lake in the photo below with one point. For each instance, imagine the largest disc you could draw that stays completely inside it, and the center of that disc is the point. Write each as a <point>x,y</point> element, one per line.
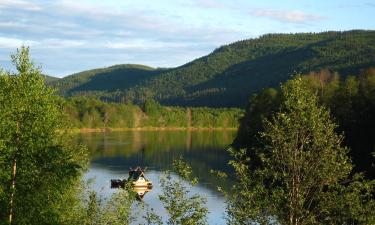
<point>112,154</point>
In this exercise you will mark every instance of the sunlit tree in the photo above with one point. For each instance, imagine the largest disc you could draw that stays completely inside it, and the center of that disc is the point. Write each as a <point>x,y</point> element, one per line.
<point>37,165</point>
<point>303,174</point>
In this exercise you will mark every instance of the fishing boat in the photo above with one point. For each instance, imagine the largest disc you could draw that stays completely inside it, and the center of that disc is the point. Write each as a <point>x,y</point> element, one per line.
<point>141,185</point>
<point>138,179</point>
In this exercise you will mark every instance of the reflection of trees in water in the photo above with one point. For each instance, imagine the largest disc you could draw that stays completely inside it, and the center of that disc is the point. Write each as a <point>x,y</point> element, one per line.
<point>203,150</point>
<point>128,143</point>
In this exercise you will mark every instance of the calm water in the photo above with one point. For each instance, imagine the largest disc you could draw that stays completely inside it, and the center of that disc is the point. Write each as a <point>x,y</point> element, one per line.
<point>112,154</point>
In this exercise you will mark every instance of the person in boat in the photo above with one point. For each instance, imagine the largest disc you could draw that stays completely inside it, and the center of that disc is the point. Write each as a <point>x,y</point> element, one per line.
<point>137,177</point>
<point>140,184</point>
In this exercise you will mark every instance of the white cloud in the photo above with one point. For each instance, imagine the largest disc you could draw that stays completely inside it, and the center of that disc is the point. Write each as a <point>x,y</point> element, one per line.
<point>89,34</point>
<point>146,44</point>
<point>20,4</point>
<point>291,16</point>
<point>122,45</point>
<point>98,11</point>
<point>209,4</point>
<point>9,24</point>
<point>15,43</point>
<point>60,43</point>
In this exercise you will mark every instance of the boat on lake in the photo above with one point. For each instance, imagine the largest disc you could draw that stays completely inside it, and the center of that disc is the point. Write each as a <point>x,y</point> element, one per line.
<point>141,185</point>
<point>138,179</point>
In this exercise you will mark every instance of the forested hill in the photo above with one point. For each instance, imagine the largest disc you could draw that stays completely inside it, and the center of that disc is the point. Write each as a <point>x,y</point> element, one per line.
<point>105,81</point>
<point>49,79</point>
<point>228,75</point>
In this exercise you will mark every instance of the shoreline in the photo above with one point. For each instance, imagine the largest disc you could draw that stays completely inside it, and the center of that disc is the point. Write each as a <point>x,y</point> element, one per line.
<point>108,129</point>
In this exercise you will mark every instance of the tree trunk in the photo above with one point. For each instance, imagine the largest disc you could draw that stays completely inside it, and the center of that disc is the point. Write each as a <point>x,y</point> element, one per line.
<point>13,187</point>
<point>14,172</point>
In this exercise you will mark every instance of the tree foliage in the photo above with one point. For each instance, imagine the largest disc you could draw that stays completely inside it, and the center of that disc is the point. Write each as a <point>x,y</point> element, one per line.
<point>303,172</point>
<point>37,165</point>
<point>91,113</point>
<point>350,101</point>
<point>116,211</point>
<point>182,206</point>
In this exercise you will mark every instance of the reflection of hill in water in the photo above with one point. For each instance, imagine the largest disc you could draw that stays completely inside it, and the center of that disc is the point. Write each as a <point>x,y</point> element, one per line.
<point>203,150</point>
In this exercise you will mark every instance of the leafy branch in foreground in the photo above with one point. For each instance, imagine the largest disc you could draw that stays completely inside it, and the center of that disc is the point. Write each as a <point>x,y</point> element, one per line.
<point>181,205</point>
<point>116,211</point>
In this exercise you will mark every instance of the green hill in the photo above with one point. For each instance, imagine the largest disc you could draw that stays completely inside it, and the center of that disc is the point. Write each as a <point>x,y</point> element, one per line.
<point>105,81</point>
<point>228,75</point>
<point>50,79</point>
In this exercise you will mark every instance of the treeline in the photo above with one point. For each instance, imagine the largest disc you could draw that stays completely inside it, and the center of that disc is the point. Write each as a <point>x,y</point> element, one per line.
<point>91,113</point>
<point>351,102</point>
<point>227,76</point>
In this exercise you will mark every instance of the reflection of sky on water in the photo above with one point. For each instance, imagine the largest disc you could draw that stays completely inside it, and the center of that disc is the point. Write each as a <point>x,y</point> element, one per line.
<point>101,184</point>
<point>114,153</point>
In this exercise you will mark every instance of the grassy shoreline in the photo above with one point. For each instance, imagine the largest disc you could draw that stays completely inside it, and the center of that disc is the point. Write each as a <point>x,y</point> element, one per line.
<point>108,129</point>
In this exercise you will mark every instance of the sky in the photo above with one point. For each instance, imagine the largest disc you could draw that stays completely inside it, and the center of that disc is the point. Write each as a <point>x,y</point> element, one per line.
<point>68,36</point>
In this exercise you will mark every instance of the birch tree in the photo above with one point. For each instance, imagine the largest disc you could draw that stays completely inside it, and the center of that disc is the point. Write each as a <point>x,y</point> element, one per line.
<point>36,165</point>
<point>304,172</point>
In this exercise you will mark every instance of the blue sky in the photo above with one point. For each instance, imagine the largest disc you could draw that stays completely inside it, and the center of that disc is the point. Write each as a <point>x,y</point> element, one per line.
<point>67,36</point>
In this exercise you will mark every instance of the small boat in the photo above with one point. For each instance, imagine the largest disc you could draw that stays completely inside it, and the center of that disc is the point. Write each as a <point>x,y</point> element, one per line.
<point>138,179</point>
<point>140,184</point>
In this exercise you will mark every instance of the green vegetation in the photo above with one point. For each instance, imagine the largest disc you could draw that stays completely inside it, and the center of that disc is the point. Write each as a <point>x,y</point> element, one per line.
<point>49,79</point>
<point>202,149</point>
<point>351,104</point>
<point>39,166</point>
<point>181,205</point>
<point>300,172</point>
<point>292,166</point>
<point>107,83</point>
<point>90,113</point>
<point>116,211</point>
<point>227,76</point>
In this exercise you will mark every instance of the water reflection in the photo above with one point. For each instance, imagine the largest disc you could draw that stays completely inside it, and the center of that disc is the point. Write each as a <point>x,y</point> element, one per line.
<point>114,153</point>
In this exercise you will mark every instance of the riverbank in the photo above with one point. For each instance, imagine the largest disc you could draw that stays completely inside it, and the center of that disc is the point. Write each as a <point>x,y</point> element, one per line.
<point>108,129</point>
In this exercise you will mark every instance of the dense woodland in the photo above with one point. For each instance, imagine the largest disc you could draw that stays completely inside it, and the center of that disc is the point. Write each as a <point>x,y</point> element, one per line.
<point>299,171</point>
<point>91,113</point>
<point>227,76</point>
<point>350,100</point>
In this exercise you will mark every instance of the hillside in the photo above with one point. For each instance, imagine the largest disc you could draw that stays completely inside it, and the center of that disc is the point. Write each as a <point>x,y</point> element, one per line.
<point>228,75</point>
<point>50,79</point>
<point>105,81</point>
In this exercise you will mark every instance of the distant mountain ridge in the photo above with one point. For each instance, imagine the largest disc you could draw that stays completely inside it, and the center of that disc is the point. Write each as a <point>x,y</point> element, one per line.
<point>50,79</point>
<point>228,75</point>
<point>109,78</point>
